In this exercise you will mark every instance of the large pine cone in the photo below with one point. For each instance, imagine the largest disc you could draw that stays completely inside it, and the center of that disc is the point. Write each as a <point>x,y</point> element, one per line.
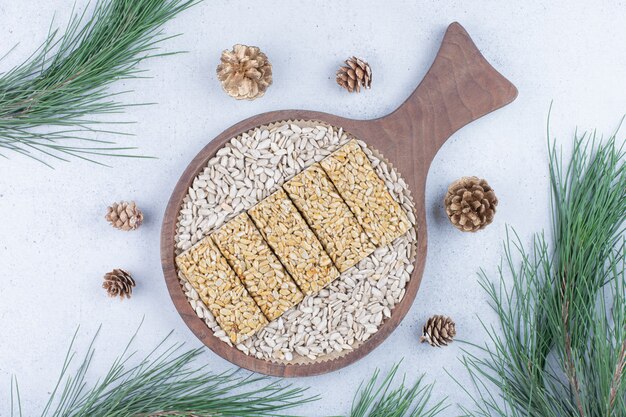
<point>118,283</point>
<point>438,331</point>
<point>470,204</point>
<point>124,215</point>
<point>356,74</point>
<point>245,72</point>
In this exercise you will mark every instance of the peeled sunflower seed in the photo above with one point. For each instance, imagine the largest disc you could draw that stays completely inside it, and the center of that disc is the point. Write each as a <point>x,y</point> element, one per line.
<point>230,184</point>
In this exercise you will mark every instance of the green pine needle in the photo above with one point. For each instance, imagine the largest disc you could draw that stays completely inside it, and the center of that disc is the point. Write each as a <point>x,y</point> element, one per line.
<point>381,400</point>
<point>561,349</point>
<point>48,103</point>
<point>167,382</point>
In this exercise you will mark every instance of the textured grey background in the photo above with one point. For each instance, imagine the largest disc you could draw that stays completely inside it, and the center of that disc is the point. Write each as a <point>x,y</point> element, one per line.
<point>55,245</point>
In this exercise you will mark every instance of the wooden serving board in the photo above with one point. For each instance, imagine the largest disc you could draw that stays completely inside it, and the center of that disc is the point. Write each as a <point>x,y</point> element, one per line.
<point>459,87</point>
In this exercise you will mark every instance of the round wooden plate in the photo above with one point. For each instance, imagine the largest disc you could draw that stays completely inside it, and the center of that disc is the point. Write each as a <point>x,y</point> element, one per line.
<point>459,87</point>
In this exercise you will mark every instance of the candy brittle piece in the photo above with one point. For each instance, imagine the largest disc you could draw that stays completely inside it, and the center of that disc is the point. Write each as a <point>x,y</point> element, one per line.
<point>294,242</point>
<point>329,216</point>
<point>221,291</point>
<point>365,193</point>
<point>253,261</point>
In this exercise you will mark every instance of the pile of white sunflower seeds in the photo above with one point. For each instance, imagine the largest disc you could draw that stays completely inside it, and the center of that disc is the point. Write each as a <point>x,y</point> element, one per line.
<point>351,309</point>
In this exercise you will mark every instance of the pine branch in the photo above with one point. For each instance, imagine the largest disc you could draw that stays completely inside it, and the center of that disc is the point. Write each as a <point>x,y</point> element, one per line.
<point>63,85</point>
<point>561,307</point>
<point>618,376</point>
<point>167,382</point>
<point>570,366</point>
<point>381,400</point>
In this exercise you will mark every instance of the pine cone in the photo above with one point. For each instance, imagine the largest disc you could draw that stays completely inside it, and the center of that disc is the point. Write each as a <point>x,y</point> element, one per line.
<point>438,331</point>
<point>470,204</point>
<point>118,283</point>
<point>245,72</point>
<point>356,74</point>
<point>124,215</point>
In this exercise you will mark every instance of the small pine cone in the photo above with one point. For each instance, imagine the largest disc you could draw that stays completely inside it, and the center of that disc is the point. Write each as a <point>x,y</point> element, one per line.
<point>356,74</point>
<point>124,215</point>
<point>118,283</point>
<point>470,204</point>
<point>245,72</point>
<point>438,331</point>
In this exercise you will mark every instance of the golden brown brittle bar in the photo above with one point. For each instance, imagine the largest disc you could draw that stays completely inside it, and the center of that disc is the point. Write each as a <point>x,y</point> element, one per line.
<point>221,291</point>
<point>379,214</point>
<point>295,244</point>
<point>253,261</point>
<point>329,216</point>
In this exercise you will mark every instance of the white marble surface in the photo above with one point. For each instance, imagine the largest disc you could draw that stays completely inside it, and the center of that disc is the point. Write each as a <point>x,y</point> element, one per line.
<point>55,245</point>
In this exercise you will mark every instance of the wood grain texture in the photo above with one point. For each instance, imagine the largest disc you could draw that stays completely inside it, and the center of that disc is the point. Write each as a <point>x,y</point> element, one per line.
<point>459,87</point>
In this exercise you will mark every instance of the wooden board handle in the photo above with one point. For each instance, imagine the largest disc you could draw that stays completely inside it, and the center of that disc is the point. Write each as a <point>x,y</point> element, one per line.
<point>459,87</point>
